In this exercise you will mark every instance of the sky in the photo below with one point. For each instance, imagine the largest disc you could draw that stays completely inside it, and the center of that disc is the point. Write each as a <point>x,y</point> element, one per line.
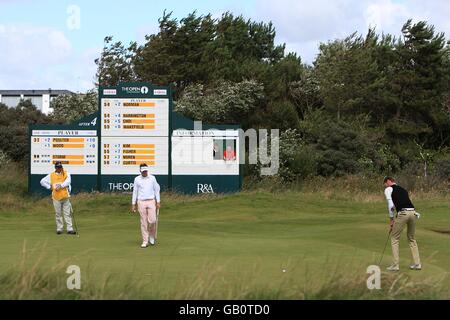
<point>53,43</point>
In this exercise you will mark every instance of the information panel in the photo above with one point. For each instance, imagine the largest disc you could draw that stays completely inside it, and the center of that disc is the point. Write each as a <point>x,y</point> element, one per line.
<point>76,149</point>
<point>122,155</point>
<point>205,152</point>
<point>134,117</point>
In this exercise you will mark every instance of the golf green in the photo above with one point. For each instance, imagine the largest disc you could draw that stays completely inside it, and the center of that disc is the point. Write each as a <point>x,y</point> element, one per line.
<point>231,246</point>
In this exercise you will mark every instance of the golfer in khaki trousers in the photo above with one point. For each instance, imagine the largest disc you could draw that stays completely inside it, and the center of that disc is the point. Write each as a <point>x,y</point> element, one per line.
<point>398,199</point>
<point>59,182</point>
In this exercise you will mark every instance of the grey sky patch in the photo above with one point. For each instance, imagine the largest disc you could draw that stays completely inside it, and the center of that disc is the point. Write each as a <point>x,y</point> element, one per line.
<point>303,25</point>
<point>39,56</point>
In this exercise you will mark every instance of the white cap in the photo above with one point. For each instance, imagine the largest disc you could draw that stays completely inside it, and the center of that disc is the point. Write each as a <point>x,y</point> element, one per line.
<point>144,169</point>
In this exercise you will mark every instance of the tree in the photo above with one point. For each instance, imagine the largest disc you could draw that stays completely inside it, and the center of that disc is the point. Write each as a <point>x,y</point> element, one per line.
<point>114,64</point>
<point>282,115</point>
<point>173,55</point>
<point>281,75</point>
<point>347,72</point>
<point>419,81</point>
<point>196,49</point>
<point>386,93</point>
<point>238,46</point>
<point>305,93</point>
<point>68,108</point>
<point>226,103</point>
<point>14,129</point>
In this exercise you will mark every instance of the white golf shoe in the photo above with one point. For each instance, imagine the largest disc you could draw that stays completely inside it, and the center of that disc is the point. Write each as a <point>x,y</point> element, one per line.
<point>415,267</point>
<point>393,268</point>
<point>151,240</point>
<point>144,245</point>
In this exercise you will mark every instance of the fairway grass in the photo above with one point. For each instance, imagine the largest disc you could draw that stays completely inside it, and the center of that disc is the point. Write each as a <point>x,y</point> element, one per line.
<point>251,245</point>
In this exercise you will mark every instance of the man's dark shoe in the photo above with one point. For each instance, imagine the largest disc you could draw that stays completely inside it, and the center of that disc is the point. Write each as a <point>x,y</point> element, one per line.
<point>71,232</point>
<point>58,232</point>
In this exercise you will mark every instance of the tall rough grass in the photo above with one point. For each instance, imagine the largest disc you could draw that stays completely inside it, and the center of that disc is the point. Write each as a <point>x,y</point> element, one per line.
<point>30,280</point>
<point>13,179</point>
<point>366,188</point>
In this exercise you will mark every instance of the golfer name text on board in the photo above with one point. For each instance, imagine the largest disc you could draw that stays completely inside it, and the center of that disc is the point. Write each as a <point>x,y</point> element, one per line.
<point>78,153</point>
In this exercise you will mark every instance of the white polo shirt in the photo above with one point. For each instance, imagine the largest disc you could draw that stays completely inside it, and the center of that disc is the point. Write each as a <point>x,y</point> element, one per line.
<point>145,188</point>
<point>391,206</point>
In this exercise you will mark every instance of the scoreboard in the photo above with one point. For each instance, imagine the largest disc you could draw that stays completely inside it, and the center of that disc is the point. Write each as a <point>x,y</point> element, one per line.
<point>135,124</point>
<point>76,149</point>
<point>135,117</point>
<point>134,129</point>
<point>123,155</point>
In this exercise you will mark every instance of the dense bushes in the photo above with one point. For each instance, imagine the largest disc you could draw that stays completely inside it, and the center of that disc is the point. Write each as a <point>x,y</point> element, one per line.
<point>362,107</point>
<point>369,104</point>
<point>14,129</point>
<point>223,103</point>
<point>71,107</point>
<point>442,168</point>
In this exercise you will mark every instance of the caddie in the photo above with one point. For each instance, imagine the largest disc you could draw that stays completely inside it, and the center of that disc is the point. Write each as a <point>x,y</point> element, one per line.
<point>398,199</point>
<point>146,199</point>
<point>59,183</point>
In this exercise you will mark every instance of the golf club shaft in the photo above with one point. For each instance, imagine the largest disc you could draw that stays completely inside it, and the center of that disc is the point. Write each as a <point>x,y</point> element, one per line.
<point>385,245</point>
<point>74,221</point>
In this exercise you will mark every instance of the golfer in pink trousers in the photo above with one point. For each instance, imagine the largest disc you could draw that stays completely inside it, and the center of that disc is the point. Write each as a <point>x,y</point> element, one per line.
<point>146,199</point>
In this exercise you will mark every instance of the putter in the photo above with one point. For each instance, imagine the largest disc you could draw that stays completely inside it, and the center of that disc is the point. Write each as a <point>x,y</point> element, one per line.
<point>74,221</point>
<point>385,245</point>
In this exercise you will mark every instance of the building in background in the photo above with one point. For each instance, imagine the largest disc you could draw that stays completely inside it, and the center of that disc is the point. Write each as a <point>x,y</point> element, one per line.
<point>40,98</point>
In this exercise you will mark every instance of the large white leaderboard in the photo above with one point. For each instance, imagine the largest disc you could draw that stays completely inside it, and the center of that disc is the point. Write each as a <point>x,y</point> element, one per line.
<point>135,117</point>
<point>134,131</point>
<point>123,155</point>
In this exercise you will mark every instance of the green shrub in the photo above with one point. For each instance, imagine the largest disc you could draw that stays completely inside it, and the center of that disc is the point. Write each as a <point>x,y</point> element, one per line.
<point>224,103</point>
<point>71,107</point>
<point>14,129</point>
<point>283,115</point>
<point>4,159</point>
<point>304,162</point>
<point>442,168</point>
<point>340,147</point>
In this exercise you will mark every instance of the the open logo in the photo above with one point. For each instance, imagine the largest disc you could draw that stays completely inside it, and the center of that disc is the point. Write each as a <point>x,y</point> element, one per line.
<point>144,90</point>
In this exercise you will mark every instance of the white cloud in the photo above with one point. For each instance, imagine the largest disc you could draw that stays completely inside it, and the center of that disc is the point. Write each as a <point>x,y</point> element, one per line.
<point>86,68</point>
<point>385,14</point>
<point>29,53</point>
<point>303,24</point>
<point>25,46</point>
<point>35,57</point>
